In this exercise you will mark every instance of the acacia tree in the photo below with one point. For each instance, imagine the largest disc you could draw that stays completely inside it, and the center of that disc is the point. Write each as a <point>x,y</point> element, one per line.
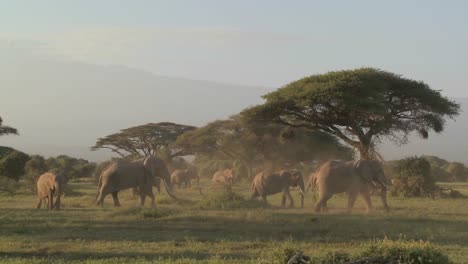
<point>234,139</point>
<point>144,140</point>
<point>5,130</point>
<point>361,107</point>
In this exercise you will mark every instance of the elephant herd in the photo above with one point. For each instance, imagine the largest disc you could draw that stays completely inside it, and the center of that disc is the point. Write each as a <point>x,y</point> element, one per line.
<point>351,177</point>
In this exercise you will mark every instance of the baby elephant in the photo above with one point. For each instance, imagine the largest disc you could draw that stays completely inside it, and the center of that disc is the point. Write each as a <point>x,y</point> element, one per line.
<point>224,177</point>
<point>48,186</point>
<point>266,183</point>
<point>185,177</point>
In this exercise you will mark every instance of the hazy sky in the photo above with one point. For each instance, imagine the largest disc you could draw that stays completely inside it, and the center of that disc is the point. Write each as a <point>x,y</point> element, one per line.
<point>73,71</point>
<point>262,43</point>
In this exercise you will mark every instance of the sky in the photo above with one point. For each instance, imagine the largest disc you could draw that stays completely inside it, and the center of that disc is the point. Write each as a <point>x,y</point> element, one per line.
<point>262,43</point>
<point>52,50</point>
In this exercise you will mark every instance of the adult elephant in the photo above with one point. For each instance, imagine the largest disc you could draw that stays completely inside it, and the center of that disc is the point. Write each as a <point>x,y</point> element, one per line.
<point>266,183</point>
<point>50,185</point>
<point>121,175</point>
<point>351,177</point>
<point>179,177</point>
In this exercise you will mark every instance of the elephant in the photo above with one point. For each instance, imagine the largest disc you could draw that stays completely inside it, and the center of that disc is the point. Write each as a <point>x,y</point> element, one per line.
<point>267,183</point>
<point>352,177</point>
<point>49,185</point>
<point>224,177</point>
<point>141,174</point>
<point>312,184</point>
<point>179,177</point>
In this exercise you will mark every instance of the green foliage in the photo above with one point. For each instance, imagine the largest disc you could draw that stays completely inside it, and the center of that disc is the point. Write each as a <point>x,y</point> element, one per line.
<point>282,255</point>
<point>411,177</point>
<point>457,170</point>
<point>144,140</point>
<point>207,166</point>
<point>401,251</point>
<point>12,165</point>
<point>71,168</point>
<point>35,167</point>
<point>247,146</point>
<point>334,257</point>
<point>8,185</point>
<point>361,107</point>
<point>6,130</point>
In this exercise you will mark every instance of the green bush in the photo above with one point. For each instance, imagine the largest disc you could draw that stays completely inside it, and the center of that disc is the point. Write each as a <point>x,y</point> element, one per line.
<point>8,185</point>
<point>411,177</point>
<point>400,251</point>
<point>12,165</point>
<point>376,252</point>
<point>282,255</point>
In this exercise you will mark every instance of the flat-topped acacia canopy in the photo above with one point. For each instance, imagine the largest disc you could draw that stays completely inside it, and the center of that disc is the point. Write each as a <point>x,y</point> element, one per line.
<point>360,107</point>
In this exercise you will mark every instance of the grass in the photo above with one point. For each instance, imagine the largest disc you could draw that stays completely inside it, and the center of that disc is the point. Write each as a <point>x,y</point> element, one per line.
<point>198,230</point>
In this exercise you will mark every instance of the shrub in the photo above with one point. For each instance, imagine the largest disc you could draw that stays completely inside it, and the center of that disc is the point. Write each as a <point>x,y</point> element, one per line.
<point>282,255</point>
<point>8,185</point>
<point>412,177</point>
<point>457,170</point>
<point>12,165</point>
<point>400,251</point>
<point>376,252</point>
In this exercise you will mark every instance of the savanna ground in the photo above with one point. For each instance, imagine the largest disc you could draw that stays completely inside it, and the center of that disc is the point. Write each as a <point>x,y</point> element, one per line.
<point>191,232</point>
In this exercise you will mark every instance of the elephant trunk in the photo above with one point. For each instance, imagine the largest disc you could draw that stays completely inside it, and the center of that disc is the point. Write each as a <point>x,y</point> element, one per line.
<point>59,190</point>
<point>168,187</point>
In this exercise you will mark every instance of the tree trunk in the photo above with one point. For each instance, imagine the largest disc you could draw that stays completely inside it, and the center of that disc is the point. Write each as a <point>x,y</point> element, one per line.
<point>365,152</point>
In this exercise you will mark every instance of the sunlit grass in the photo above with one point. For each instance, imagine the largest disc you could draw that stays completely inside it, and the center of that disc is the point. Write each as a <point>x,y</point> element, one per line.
<point>184,232</point>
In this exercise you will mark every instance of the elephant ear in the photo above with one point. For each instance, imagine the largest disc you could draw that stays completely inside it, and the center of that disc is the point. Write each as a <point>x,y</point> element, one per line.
<point>150,166</point>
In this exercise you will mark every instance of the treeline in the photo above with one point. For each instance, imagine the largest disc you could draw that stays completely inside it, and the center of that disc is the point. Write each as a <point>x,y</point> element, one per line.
<point>231,143</point>
<point>16,165</point>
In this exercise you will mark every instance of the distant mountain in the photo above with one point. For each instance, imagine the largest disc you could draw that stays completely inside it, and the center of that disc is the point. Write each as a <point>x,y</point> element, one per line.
<point>63,107</point>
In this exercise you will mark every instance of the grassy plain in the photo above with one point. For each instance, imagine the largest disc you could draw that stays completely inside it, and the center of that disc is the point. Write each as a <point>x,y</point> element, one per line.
<point>189,232</point>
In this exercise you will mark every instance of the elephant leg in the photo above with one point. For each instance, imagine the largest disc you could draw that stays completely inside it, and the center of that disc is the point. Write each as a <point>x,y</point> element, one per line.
<point>383,196</point>
<point>291,200</point>
<point>100,200</point>
<point>142,199</point>
<point>322,202</point>
<point>57,203</point>
<point>283,200</point>
<point>151,196</point>
<point>101,196</point>
<point>116,199</point>
<point>265,203</point>
<point>39,203</point>
<point>366,195</point>
<point>351,200</point>
<point>51,202</point>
